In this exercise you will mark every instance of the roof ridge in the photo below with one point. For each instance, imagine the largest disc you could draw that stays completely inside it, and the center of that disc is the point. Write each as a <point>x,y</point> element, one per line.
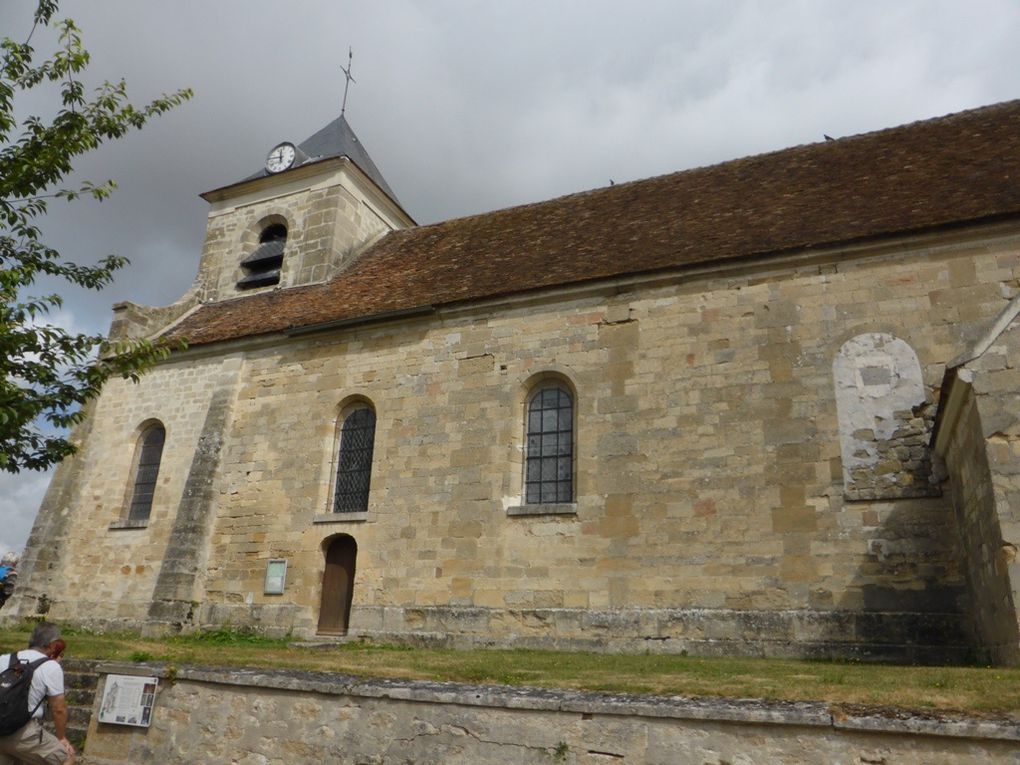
<point>854,137</point>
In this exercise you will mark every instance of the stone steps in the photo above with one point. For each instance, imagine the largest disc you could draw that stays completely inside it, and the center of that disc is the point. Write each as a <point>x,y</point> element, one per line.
<point>80,684</point>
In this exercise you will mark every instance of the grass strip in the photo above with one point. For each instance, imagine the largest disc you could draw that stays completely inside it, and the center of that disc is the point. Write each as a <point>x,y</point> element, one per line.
<point>983,691</point>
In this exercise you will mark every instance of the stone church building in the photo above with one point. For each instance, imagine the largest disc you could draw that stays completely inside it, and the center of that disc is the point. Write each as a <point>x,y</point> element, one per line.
<point>765,407</point>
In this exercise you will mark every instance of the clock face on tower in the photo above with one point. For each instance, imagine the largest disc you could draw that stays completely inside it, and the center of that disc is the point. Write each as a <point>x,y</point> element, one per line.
<point>281,157</point>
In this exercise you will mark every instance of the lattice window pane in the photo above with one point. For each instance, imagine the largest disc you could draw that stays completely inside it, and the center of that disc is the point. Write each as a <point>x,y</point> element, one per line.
<point>550,421</point>
<point>533,493</point>
<point>548,471</point>
<point>564,445</point>
<point>565,419</point>
<point>147,471</point>
<point>354,471</point>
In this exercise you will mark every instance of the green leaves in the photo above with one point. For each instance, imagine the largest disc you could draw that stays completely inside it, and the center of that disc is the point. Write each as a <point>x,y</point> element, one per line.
<point>49,373</point>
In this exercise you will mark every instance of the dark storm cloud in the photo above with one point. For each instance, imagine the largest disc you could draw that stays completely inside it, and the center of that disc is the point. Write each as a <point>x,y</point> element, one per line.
<point>469,106</point>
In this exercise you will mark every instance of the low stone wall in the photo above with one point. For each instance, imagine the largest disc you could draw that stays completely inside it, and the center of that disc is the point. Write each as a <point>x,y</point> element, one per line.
<point>256,717</point>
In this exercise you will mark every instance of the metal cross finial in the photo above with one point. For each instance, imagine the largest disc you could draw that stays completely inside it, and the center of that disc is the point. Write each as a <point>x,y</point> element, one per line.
<point>347,74</point>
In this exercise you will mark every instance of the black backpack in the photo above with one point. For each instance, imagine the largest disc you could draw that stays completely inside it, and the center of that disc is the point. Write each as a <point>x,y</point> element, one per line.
<point>15,682</point>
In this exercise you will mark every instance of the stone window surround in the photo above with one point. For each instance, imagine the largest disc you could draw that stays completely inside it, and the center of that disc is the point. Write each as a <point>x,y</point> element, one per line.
<point>250,240</point>
<point>550,377</point>
<point>546,508</point>
<point>360,517</point>
<point>121,525</point>
<point>125,522</point>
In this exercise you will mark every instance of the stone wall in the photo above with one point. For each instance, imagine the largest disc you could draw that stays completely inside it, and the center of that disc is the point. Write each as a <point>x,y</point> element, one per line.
<point>973,496</point>
<point>908,637</point>
<point>980,442</point>
<point>253,717</point>
<point>709,482</point>
<point>94,564</point>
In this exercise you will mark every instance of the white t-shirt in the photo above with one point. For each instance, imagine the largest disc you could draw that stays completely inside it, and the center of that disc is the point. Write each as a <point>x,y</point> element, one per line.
<point>47,680</point>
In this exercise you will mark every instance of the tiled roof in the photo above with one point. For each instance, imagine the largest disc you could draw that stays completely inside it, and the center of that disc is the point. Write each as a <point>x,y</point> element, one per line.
<point>951,170</point>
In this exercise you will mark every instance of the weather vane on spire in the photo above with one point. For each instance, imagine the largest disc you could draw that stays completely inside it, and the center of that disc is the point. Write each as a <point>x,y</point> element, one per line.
<point>350,79</point>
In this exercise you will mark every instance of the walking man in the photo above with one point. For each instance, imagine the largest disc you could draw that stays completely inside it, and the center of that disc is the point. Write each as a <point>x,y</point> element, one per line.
<point>32,744</point>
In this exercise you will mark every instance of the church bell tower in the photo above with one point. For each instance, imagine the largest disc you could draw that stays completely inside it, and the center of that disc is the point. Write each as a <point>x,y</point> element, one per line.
<point>301,219</point>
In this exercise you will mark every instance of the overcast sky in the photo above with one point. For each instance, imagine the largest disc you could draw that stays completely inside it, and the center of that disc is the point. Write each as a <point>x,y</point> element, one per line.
<point>472,106</point>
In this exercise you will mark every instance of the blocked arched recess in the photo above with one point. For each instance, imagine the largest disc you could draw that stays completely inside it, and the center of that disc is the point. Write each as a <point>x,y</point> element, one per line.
<point>340,552</point>
<point>883,422</point>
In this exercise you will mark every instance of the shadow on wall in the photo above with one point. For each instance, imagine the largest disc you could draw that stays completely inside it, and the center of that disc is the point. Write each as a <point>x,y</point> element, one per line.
<point>983,484</point>
<point>908,600</point>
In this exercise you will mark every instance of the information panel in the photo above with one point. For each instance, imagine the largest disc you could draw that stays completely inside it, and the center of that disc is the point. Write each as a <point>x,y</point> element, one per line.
<point>128,700</point>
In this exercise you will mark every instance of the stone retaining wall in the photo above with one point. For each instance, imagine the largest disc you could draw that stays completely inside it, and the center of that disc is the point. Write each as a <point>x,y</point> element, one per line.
<point>258,717</point>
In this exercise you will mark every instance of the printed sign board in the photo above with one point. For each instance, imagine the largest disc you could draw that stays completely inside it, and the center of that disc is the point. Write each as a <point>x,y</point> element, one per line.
<point>128,700</point>
<point>276,576</point>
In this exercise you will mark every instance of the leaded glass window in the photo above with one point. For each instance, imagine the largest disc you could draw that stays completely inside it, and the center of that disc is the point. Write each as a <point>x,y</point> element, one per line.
<point>354,468</point>
<point>149,456</point>
<point>549,460</point>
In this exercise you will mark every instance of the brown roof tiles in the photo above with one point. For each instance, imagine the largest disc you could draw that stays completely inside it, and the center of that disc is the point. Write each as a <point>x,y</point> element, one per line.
<point>956,169</point>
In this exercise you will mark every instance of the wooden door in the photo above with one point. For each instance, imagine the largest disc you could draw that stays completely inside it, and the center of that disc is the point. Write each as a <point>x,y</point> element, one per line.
<point>337,586</point>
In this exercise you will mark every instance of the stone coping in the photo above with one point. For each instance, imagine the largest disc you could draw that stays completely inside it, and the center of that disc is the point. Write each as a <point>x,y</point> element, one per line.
<point>814,714</point>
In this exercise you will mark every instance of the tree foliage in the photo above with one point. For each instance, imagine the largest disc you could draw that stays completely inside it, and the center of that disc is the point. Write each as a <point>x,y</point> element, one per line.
<point>47,374</point>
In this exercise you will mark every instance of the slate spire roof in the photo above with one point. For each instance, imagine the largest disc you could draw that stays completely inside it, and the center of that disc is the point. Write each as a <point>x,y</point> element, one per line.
<point>955,170</point>
<point>337,139</point>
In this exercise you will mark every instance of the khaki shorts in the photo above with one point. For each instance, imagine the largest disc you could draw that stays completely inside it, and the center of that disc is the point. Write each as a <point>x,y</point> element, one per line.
<point>26,746</point>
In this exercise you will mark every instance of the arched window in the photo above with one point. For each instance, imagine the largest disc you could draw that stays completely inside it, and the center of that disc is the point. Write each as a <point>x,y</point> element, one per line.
<point>354,461</point>
<point>262,267</point>
<point>549,449</point>
<point>148,453</point>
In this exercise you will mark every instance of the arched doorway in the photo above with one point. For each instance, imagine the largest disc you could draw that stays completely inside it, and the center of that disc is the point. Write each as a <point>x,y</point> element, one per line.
<point>337,585</point>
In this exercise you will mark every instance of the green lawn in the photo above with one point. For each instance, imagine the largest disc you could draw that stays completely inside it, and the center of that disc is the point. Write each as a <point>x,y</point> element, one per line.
<point>981,690</point>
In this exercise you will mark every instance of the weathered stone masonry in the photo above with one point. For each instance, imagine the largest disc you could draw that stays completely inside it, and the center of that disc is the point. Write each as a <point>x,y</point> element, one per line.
<point>713,564</point>
<point>978,439</point>
<point>755,383</point>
